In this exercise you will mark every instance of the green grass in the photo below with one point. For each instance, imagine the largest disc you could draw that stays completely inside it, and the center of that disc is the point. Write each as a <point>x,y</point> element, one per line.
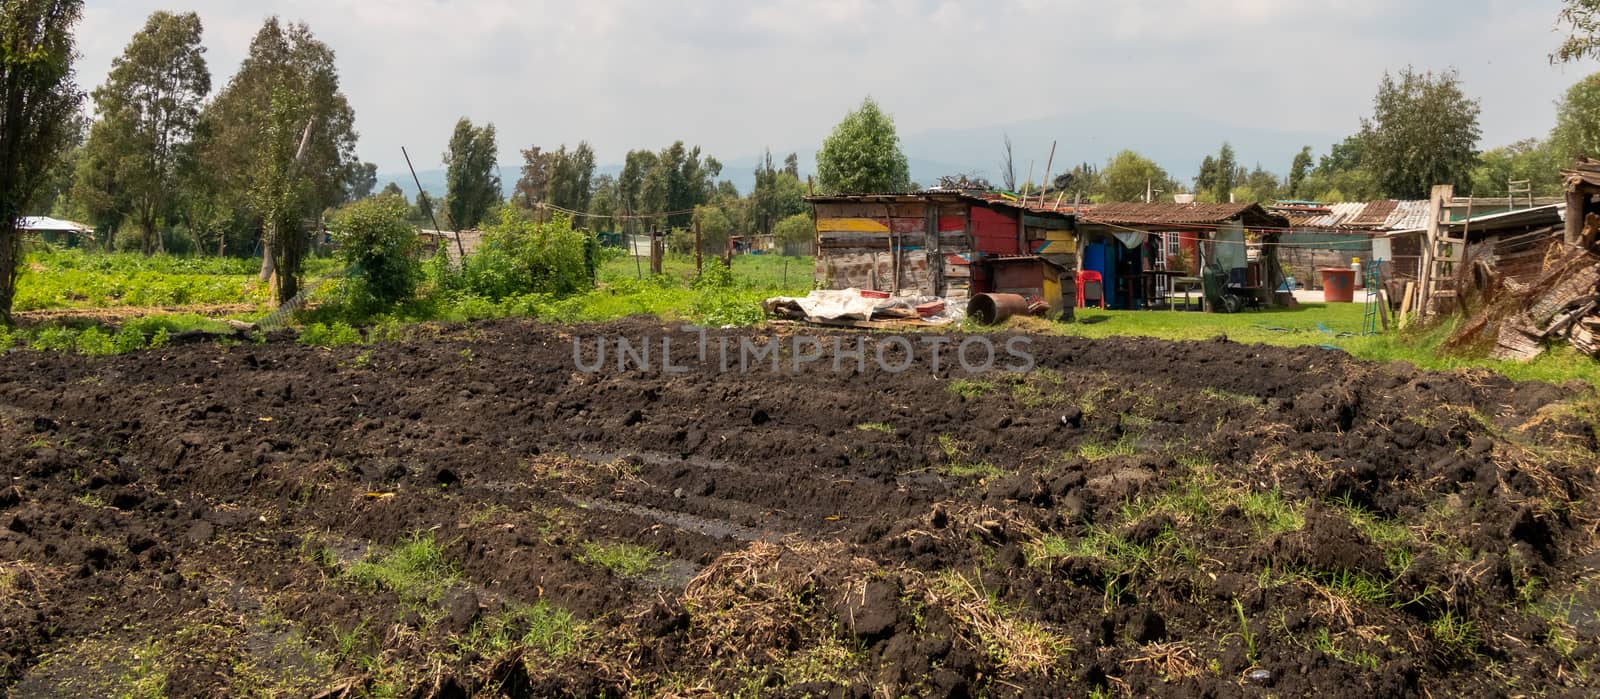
<point>959,462</point>
<point>969,388</point>
<point>735,299</point>
<point>883,427</point>
<point>334,334</point>
<point>79,279</point>
<point>622,559</point>
<point>545,627</point>
<point>1251,651</point>
<point>1456,635</point>
<point>1272,513</point>
<point>1300,328</point>
<point>1126,445</point>
<point>416,570</point>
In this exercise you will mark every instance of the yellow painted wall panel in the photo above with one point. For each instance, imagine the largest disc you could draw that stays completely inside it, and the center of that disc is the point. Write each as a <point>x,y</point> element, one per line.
<point>851,225</point>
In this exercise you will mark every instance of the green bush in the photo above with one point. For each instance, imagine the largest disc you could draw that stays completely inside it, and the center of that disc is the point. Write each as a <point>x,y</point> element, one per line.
<point>94,342</point>
<point>54,340</point>
<point>330,335</point>
<point>378,247</point>
<point>519,255</point>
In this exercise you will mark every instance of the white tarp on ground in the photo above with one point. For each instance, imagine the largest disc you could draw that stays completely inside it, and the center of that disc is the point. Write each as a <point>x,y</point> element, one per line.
<point>849,304</point>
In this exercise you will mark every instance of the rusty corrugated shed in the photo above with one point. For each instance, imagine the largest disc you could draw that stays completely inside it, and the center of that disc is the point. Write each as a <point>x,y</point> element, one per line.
<point>1165,213</point>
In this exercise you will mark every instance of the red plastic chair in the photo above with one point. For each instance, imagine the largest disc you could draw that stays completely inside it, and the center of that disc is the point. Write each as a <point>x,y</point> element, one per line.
<point>1091,281</point>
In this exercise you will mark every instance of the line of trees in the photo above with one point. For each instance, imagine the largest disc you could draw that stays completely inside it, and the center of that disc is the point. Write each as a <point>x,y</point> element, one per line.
<point>669,189</point>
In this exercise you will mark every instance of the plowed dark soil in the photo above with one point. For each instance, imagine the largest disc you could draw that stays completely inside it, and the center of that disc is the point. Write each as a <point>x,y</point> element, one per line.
<point>464,513</point>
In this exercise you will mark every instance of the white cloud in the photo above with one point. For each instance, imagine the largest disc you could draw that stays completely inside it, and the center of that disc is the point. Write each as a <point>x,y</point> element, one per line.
<point>736,76</point>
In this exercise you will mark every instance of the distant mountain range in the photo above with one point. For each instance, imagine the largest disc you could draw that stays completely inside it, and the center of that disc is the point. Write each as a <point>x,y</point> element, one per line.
<point>1178,142</point>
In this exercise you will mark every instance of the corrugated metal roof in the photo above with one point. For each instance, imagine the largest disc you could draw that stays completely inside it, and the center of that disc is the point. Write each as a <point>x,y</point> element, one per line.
<point>45,223</point>
<point>1368,216</point>
<point>1412,213</point>
<point>1374,214</point>
<point>1164,213</point>
<point>989,199</point>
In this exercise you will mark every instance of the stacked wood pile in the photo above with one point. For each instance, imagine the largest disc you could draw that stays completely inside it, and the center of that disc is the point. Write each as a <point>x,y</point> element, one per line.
<point>1534,290</point>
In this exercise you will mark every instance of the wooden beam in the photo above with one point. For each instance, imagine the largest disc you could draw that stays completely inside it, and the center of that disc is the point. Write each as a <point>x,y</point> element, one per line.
<point>1575,216</point>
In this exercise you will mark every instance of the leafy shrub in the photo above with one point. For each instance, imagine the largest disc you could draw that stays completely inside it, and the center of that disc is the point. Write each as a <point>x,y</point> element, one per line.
<point>93,342</point>
<point>54,340</point>
<point>520,256</point>
<point>714,276</point>
<point>330,335</point>
<point>6,339</point>
<point>721,308</point>
<point>128,339</point>
<point>378,246</point>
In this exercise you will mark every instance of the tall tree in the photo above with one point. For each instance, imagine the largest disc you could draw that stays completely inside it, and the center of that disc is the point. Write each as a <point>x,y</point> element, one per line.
<point>1582,18</point>
<point>1256,185</point>
<point>603,204</point>
<point>863,154</point>
<point>38,104</point>
<point>472,174</point>
<point>1227,173</point>
<point>572,178</point>
<point>1206,181</point>
<point>279,140</point>
<point>360,180</point>
<point>149,107</point>
<point>1008,164</point>
<point>1299,170</point>
<point>791,165</point>
<point>1577,131</point>
<point>679,180</point>
<point>636,167</point>
<point>1423,131</point>
<point>1128,176</point>
<point>534,185</point>
<point>1537,162</point>
<point>1083,180</point>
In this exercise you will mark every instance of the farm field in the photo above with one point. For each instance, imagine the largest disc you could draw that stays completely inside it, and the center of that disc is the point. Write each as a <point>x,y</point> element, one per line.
<point>465,512</point>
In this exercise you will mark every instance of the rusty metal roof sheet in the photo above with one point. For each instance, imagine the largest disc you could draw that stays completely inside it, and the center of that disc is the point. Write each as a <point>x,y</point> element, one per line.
<point>1407,215</point>
<point>988,199</point>
<point>1382,215</point>
<point>1165,213</point>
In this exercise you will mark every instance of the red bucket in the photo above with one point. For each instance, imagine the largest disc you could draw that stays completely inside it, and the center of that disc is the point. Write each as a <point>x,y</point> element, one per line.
<point>1338,284</point>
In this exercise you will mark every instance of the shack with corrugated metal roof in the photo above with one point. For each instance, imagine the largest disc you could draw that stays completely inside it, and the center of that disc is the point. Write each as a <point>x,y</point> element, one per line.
<point>937,242</point>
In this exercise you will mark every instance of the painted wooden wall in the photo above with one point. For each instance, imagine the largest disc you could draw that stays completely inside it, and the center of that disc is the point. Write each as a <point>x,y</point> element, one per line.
<point>858,243</point>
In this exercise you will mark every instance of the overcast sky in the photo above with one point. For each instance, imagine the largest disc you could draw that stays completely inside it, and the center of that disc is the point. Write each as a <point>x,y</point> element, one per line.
<point>736,76</point>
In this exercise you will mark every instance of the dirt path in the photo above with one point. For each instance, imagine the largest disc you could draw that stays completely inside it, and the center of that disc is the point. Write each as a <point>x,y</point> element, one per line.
<point>465,512</point>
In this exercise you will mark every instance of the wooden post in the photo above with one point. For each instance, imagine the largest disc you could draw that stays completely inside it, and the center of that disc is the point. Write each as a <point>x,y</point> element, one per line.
<point>655,252</point>
<point>1022,230</point>
<point>894,250</point>
<point>1575,215</point>
<point>932,250</point>
<point>697,263</point>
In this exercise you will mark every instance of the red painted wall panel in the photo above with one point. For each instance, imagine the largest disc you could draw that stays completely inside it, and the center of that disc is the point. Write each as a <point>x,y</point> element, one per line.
<point>994,233</point>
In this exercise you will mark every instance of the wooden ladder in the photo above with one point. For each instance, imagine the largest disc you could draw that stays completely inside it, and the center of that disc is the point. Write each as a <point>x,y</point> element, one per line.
<point>1442,255</point>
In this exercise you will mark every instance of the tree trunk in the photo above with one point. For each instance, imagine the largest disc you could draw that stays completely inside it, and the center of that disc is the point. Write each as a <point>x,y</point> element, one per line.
<point>10,268</point>
<point>267,263</point>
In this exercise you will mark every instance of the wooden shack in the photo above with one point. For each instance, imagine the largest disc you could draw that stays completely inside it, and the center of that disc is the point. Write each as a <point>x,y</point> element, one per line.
<point>935,243</point>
